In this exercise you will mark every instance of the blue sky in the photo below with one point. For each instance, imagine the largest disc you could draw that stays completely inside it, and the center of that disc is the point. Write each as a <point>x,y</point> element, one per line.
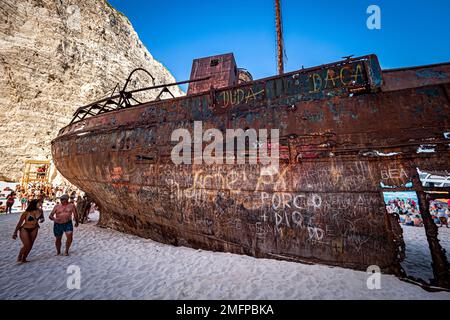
<point>413,32</point>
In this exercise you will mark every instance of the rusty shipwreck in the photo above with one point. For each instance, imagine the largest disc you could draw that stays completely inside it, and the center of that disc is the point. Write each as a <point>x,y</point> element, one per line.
<point>346,130</point>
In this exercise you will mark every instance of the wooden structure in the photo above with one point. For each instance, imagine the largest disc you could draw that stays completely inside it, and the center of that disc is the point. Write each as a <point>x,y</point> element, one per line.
<point>36,171</point>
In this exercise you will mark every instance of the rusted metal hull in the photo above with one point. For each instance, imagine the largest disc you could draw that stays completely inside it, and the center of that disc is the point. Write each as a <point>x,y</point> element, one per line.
<point>324,205</point>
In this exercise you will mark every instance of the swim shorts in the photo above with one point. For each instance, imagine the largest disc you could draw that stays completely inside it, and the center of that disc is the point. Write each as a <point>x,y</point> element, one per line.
<point>60,228</point>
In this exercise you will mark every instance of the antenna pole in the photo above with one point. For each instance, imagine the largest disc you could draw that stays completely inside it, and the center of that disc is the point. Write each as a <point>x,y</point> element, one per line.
<point>279,37</point>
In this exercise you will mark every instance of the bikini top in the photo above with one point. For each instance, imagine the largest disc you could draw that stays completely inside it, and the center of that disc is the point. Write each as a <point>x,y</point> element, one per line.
<point>32,219</point>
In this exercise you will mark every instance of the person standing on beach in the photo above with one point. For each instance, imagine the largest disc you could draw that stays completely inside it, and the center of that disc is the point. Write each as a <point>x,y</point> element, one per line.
<point>61,215</point>
<point>23,200</point>
<point>10,202</point>
<point>28,225</point>
<point>58,193</point>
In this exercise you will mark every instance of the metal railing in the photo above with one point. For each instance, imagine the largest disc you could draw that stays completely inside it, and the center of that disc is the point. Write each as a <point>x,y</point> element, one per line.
<point>125,99</point>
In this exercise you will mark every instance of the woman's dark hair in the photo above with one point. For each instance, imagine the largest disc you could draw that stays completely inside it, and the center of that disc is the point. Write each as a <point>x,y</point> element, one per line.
<point>33,205</point>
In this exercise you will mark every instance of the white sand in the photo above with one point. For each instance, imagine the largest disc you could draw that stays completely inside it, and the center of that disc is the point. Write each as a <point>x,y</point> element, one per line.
<point>119,266</point>
<point>418,257</point>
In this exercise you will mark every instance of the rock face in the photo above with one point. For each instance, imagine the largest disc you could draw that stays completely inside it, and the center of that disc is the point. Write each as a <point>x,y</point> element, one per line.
<point>55,56</point>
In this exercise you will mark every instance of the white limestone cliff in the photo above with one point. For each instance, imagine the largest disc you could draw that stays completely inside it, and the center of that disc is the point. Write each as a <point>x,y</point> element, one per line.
<point>55,56</point>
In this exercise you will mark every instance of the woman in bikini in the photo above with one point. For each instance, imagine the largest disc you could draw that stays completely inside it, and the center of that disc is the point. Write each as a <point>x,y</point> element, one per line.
<point>28,226</point>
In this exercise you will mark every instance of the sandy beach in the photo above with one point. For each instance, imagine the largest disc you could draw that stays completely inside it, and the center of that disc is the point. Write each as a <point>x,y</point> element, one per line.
<point>114,265</point>
<point>418,258</point>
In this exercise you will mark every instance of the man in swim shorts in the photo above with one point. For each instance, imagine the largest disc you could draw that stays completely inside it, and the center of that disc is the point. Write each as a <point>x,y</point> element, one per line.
<point>62,218</point>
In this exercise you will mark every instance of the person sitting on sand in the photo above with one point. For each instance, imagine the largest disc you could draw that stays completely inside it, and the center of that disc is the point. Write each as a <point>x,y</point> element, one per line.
<point>417,221</point>
<point>28,225</point>
<point>408,220</point>
<point>443,218</point>
<point>435,219</point>
<point>61,215</point>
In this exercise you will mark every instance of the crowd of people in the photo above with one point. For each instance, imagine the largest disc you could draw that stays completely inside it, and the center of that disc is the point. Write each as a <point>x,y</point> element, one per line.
<point>407,210</point>
<point>409,213</point>
<point>48,194</point>
<point>37,191</point>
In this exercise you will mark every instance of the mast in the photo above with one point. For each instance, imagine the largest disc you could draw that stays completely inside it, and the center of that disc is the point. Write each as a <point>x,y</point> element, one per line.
<point>279,37</point>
